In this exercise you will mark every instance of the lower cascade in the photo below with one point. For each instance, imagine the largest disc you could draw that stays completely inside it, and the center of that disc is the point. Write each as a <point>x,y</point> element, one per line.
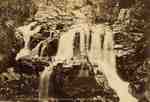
<point>44,84</point>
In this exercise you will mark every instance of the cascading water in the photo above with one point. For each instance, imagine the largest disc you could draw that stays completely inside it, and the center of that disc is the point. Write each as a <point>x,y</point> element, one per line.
<point>105,56</point>
<point>44,84</point>
<point>27,33</point>
<point>66,42</point>
<point>96,42</point>
<point>45,79</point>
<point>95,53</point>
<point>25,51</point>
<point>100,52</point>
<point>65,48</point>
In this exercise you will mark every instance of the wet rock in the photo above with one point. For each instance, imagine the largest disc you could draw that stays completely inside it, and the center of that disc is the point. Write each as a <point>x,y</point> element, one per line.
<point>67,83</point>
<point>132,56</point>
<point>30,66</point>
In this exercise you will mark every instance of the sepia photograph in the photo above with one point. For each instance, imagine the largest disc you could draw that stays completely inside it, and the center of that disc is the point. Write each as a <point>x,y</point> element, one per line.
<point>74,50</point>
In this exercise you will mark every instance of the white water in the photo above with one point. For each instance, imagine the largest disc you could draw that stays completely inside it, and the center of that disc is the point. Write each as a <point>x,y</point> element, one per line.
<point>65,47</point>
<point>25,51</point>
<point>107,62</point>
<point>44,84</point>
<point>95,53</point>
<point>104,57</point>
<point>27,33</point>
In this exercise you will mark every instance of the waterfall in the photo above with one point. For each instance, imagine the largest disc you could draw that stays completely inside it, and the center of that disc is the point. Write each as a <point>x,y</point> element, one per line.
<point>44,84</point>
<point>95,53</point>
<point>25,50</point>
<point>66,42</point>
<point>97,43</point>
<point>65,48</point>
<point>27,33</point>
<point>108,63</point>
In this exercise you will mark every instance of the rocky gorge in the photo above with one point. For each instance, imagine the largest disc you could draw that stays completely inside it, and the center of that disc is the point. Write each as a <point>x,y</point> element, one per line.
<point>63,21</point>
